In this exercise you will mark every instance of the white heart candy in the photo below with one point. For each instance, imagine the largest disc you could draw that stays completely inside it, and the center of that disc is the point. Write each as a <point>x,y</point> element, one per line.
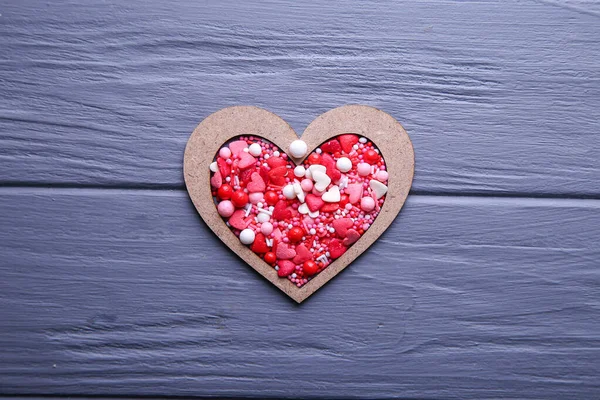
<point>322,180</point>
<point>303,209</point>
<point>299,192</point>
<point>317,167</point>
<point>289,192</point>
<point>308,174</point>
<point>332,195</point>
<point>379,188</point>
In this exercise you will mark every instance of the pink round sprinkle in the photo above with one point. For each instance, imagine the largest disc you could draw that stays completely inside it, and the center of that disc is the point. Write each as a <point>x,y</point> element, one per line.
<point>306,185</point>
<point>364,169</point>
<point>367,204</point>
<point>266,228</point>
<point>255,197</point>
<point>348,206</point>
<point>225,208</point>
<point>382,176</point>
<point>225,152</point>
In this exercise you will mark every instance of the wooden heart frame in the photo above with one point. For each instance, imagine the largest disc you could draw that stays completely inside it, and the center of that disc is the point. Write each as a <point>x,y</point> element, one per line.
<point>218,128</point>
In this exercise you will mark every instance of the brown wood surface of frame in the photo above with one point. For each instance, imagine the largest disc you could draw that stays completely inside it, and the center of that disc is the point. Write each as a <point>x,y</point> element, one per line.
<point>218,128</point>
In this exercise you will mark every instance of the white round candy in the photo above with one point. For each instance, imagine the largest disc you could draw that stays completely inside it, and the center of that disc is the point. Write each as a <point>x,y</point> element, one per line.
<point>299,171</point>
<point>289,192</point>
<point>213,166</point>
<point>344,164</point>
<point>247,236</point>
<point>255,149</point>
<point>263,217</point>
<point>298,148</point>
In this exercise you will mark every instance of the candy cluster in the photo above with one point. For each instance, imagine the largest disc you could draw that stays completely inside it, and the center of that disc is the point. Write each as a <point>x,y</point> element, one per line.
<point>299,219</point>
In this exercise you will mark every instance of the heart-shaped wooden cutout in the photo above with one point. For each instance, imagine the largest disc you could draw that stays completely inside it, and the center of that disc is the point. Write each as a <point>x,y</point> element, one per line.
<point>218,128</point>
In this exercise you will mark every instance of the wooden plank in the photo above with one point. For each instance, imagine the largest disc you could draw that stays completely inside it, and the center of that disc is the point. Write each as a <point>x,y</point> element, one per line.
<point>498,97</point>
<point>106,292</point>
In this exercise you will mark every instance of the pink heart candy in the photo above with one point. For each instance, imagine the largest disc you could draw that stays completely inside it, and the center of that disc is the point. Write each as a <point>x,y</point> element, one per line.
<point>257,183</point>
<point>284,252</point>
<point>351,237</point>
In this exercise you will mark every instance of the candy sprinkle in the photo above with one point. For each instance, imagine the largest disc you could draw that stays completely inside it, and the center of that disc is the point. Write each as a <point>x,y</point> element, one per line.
<point>299,219</point>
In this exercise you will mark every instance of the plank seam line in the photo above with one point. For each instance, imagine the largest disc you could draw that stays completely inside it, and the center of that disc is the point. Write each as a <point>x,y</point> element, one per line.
<point>149,397</point>
<point>11,187</point>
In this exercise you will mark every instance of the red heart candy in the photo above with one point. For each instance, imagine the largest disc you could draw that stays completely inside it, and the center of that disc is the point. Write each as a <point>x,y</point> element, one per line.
<point>302,254</point>
<point>245,176</point>
<point>331,169</point>
<point>281,212</point>
<point>275,162</point>
<point>224,168</point>
<point>264,173</point>
<point>260,244</point>
<point>333,146</point>
<point>277,175</point>
<point>330,207</point>
<point>347,141</point>
<point>336,248</point>
<point>286,267</point>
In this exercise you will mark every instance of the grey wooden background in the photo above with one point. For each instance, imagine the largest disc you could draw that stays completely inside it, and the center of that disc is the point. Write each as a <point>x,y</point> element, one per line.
<point>486,286</point>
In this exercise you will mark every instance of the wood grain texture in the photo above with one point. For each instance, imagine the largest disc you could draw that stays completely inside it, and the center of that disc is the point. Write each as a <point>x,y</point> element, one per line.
<point>499,97</point>
<point>126,292</point>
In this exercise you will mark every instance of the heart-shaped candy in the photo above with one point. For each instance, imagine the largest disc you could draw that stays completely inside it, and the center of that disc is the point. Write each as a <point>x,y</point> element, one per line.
<point>299,220</point>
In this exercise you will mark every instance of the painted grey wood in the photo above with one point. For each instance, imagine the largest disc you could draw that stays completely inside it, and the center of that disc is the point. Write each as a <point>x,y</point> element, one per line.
<point>126,292</point>
<point>498,96</point>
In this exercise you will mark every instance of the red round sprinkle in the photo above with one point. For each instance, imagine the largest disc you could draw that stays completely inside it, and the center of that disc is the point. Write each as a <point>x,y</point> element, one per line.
<point>271,198</point>
<point>295,234</point>
<point>270,258</point>
<point>310,268</point>
<point>314,158</point>
<point>371,156</point>
<point>239,198</point>
<point>344,200</point>
<point>225,192</point>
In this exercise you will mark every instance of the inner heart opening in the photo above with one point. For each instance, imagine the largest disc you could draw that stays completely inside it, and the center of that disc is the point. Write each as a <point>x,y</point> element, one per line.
<point>299,219</point>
